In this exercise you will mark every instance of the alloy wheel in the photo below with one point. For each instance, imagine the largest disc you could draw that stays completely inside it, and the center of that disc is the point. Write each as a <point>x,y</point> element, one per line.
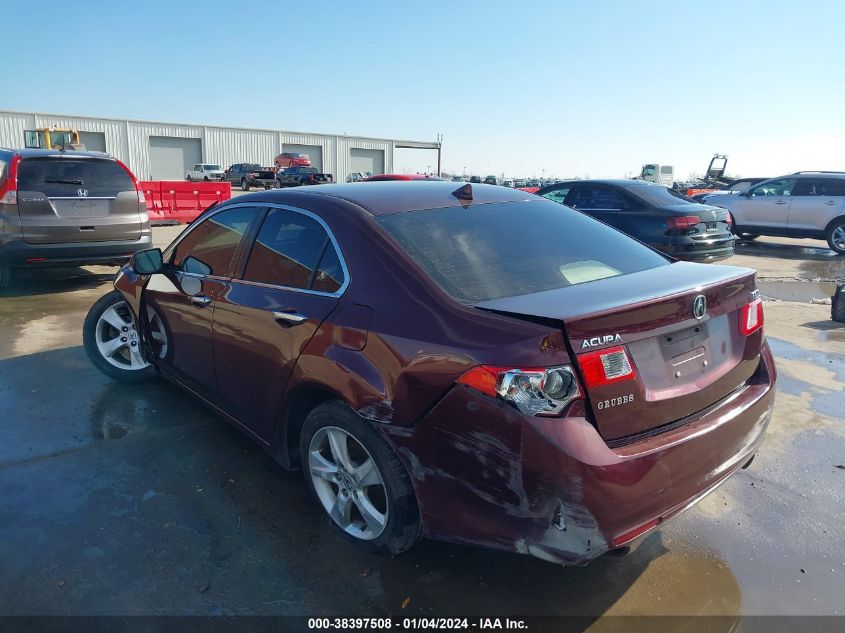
<point>119,341</point>
<point>837,238</point>
<point>348,483</point>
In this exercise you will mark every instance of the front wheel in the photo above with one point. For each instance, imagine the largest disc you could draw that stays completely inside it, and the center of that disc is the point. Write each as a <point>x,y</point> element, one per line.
<point>748,237</point>
<point>188,178</point>
<point>205,178</point>
<point>113,343</point>
<point>836,237</point>
<point>358,480</point>
<point>244,185</point>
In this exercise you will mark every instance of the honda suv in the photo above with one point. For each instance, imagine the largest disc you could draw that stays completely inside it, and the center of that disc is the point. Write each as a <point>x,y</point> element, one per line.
<point>804,204</point>
<point>68,208</point>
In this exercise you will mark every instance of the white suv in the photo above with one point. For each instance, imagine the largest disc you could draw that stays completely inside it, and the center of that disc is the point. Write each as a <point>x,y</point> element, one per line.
<point>804,204</point>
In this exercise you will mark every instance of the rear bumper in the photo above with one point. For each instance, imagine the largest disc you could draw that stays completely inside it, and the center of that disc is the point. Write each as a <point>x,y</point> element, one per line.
<point>697,250</point>
<point>553,488</point>
<point>18,253</point>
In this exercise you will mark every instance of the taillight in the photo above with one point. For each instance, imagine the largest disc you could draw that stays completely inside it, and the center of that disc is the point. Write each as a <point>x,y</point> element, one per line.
<point>540,391</point>
<point>606,367</point>
<point>141,197</point>
<point>683,222</point>
<point>751,317</point>
<point>9,190</point>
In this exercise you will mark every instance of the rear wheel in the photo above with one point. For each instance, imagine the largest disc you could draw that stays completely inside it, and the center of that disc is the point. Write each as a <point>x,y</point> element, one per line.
<point>188,178</point>
<point>5,276</point>
<point>358,480</point>
<point>244,184</point>
<point>836,236</point>
<point>205,178</point>
<point>113,343</point>
<point>748,237</point>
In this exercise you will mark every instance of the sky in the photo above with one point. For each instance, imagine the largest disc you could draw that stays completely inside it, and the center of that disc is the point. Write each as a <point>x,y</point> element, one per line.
<point>543,88</point>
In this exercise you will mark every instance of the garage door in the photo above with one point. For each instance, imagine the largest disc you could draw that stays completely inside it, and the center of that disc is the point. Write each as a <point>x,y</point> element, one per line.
<point>314,152</point>
<point>93,141</point>
<point>171,157</point>
<point>371,160</point>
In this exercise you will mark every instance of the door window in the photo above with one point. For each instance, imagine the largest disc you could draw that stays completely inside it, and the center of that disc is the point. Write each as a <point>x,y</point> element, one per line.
<point>598,197</point>
<point>294,250</point>
<point>780,187</point>
<point>558,195</point>
<point>820,187</point>
<point>210,246</point>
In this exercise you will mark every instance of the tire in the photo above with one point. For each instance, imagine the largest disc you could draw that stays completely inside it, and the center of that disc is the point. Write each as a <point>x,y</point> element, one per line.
<point>836,236</point>
<point>244,184</point>
<point>105,324</point>
<point>388,499</point>
<point>188,178</point>
<point>748,237</point>
<point>5,276</point>
<point>837,305</point>
<point>205,178</point>
<point>277,184</point>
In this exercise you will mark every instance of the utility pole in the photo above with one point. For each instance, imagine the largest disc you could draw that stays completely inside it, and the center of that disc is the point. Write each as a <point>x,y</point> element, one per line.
<point>439,150</point>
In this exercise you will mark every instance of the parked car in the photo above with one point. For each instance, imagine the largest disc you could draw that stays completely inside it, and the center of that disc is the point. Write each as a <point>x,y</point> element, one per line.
<point>379,177</point>
<point>249,175</point>
<point>519,182</point>
<point>737,186</point>
<point>804,204</point>
<point>475,179</point>
<point>507,182</point>
<point>458,179</point>
<point>656,215</point>
<point>358,176</point>
<point>60,208</point>
<point>297,176</point>
<point>470,364</point>
<point>204,171</point>
<point>291,159</point>
<point>491,180</point>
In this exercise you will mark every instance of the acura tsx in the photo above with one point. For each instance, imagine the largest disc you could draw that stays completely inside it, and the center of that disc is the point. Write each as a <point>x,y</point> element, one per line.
<point>478,365</point>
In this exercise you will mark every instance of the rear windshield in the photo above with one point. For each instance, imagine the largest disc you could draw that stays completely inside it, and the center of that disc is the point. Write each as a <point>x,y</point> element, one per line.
<point>659,196</point>
<point>60,177</point>
<point>489,251</point>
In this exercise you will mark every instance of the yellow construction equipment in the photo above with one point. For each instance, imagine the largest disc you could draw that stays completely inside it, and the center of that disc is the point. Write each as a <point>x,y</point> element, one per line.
<point>53,138</point>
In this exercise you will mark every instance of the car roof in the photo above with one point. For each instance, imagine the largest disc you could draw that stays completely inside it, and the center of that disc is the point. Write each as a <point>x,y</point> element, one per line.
<point>619,182</point>
<point>379,177</point>
<point>386,197</point>
<point>33,153</point>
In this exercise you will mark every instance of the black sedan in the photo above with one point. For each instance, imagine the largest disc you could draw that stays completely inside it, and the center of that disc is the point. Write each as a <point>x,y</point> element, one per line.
<point>664,219</point>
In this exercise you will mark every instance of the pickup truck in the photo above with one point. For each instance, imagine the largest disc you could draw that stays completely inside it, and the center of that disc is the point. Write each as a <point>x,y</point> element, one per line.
<point>250,175</point>
<point>296,176</point>
<point>204,171</point>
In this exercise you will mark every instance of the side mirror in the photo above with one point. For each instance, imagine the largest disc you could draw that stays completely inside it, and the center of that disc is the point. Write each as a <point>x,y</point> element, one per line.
<point>147,262</point>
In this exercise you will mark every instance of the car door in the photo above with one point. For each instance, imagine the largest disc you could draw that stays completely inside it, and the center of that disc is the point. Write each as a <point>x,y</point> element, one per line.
<point>613,207</point>
<point>292,277</point>
<point>815,202</point>
<point>766,204</point>
<point>183,296</point>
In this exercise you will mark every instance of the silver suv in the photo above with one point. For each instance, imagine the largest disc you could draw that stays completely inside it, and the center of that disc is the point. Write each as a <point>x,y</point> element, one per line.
<point>804,204</point>
<point>68,208</point>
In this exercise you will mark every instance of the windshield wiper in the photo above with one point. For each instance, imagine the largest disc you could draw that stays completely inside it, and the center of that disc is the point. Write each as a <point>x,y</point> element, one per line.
<point>65,182</point>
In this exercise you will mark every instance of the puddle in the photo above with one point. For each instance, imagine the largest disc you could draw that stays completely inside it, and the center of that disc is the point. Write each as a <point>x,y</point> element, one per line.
<point>802,291</point>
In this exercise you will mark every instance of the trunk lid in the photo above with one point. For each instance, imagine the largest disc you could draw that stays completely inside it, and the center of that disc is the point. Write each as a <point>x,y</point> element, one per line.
<point>70,198</point>
<point>682,364</point>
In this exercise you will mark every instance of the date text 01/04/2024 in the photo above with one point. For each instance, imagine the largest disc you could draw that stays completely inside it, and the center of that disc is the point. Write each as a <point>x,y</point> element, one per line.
<point>480,624</point>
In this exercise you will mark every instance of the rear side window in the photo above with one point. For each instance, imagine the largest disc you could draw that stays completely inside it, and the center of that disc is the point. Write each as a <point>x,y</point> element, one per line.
<point>294,250</point>
<point>558,194</point>
<point>598,197</point>
<point>489,251</point>
<point>820,187</point>
<point>65,177</point>
<point>660,196</point>
<point>210,246</point>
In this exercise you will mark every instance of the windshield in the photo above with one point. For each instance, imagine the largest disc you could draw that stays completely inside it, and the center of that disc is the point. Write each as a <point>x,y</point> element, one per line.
<point>659,196</point>
<point>649,170</point>
<point>488,251</point>
<point>253,167</point>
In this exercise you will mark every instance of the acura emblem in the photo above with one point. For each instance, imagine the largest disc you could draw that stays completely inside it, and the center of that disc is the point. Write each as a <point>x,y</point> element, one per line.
<point>699,306</point>
<point>82,193</point>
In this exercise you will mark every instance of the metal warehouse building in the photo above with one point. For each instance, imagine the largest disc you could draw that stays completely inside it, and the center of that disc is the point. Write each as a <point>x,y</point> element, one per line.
<point>164,151</point>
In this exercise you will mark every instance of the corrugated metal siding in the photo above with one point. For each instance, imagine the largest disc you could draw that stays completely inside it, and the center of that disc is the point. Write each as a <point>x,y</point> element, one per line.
<point>129,141</point>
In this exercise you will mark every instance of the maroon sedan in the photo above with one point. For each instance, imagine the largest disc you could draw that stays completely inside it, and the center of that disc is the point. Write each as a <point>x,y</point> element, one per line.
<point>477,365</point>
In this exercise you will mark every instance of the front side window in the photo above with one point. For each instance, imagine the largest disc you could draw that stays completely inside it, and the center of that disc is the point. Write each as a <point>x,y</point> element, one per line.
<point>558,195</point>
<point>780,187</point>
<point>294,250</point>
<point>489,251</point>
<point>598,197</point>
<point>210,246</point>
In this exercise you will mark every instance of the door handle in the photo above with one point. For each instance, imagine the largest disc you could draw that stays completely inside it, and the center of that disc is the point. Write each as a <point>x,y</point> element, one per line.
<point>290,317</point>
<point>201,300</point>
<point>781,202</point>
